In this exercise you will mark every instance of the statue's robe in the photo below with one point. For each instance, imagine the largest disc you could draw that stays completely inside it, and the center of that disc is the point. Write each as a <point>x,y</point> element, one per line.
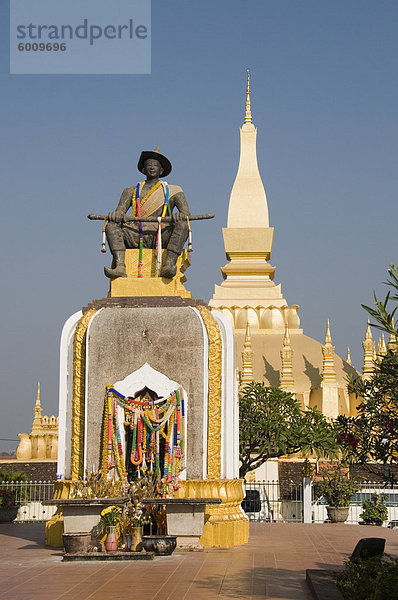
<point>126,235</point>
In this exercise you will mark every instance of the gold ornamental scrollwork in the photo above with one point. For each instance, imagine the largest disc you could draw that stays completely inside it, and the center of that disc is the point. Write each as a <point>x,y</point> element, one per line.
<point>79,372</point>
<point>214,395</point>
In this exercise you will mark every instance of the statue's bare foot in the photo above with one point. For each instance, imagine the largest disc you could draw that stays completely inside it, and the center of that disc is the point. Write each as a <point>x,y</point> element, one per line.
<point>169,268</point>
<point>168,272</point>
<point>119,271</point>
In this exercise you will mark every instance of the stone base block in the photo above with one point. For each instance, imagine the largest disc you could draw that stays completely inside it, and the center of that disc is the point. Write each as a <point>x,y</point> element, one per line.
<point>190,543</point>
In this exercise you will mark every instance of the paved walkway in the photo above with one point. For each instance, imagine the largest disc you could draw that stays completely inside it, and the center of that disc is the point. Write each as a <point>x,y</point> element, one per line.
<point>271,566</point>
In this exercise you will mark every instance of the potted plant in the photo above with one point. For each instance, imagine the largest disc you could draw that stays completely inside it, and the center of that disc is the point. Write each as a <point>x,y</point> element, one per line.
<point>375,511</point>
<point>110,517</point>
<point>337,489</point>
<point>8,506</point>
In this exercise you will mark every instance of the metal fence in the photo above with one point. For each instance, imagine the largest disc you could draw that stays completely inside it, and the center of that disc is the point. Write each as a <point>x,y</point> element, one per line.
<point>368,488</point>
<point>29,495</point>
<point>274,501</point>
<point>285,500</point>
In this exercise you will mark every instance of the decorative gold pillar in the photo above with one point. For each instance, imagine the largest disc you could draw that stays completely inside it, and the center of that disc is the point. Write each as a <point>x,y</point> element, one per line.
<point>79,373</point>
<point>214,395</point>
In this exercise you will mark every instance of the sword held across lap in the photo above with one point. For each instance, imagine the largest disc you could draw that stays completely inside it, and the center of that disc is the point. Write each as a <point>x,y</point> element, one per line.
<point>127,219</point>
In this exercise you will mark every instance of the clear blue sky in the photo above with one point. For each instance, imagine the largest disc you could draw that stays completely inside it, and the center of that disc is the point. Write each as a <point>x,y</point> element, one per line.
<point>324,99</point>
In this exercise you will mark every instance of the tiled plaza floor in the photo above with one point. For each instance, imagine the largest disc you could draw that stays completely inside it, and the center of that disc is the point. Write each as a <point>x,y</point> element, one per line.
<point>271,566</point>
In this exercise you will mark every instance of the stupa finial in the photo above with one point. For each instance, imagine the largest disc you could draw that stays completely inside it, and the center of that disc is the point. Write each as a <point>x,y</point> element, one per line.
<point>247,335</point>
<point>348,359</point>
<point>248,113</point>
<point>328,337</point>
<point>38,402</point>
<point>286,337</point>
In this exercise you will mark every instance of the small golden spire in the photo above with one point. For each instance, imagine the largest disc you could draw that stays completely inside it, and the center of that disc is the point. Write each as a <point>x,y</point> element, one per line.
<point>348,359</point>
<point>328,369</point>
<point>381,346</point>
<point>248,114</point>
<point>368,346</point>
<point>328,337</point>
<point>286,378</point>
<point>247,359</point>
<point>37,411</point>
<point>157,149</point>
<point>392,342</point>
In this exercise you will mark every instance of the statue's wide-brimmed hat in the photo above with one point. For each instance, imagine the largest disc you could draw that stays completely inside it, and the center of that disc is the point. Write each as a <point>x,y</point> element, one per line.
<point>145,154</point>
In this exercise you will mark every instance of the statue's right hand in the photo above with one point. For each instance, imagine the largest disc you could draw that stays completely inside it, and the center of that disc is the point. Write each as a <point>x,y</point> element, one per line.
<point>115,217</point>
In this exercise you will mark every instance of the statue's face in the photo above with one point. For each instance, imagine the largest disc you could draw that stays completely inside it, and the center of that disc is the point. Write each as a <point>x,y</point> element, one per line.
<point>152,168</point>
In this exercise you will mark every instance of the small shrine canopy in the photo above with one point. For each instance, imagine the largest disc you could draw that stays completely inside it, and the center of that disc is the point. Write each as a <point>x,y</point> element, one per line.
<point>146,377</point>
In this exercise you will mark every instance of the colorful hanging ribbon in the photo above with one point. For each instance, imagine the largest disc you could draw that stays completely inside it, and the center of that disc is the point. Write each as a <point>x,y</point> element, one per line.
<point>190,249</point>
<point>141,242</point>
<point>148,420</point>
<point>103,246</point>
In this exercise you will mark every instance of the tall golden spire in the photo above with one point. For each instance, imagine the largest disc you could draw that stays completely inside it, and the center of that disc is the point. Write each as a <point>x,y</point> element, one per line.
<point>248,113</point>
<point>286,379</point>
<point>248,190</point>
<point>368,346</point>
<point>247,359</point>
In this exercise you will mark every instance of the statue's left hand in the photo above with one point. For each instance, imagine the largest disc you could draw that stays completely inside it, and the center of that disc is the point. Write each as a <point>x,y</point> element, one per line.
<point>178,216</point>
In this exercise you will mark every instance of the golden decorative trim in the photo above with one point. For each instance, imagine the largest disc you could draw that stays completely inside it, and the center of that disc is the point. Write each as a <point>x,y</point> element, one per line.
<point>79,371</point>
<point>104,460</point>
<point>214,395</point>
<point>225,523</point>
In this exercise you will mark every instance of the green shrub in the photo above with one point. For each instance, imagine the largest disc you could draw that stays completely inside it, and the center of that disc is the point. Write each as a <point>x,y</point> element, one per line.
<point>371,579</point>
<point>13,476</point>
<point>374,510</point>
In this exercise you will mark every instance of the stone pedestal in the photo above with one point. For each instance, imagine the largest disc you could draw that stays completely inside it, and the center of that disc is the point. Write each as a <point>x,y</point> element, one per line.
<point>186,519</point>
<point>165,337</point>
